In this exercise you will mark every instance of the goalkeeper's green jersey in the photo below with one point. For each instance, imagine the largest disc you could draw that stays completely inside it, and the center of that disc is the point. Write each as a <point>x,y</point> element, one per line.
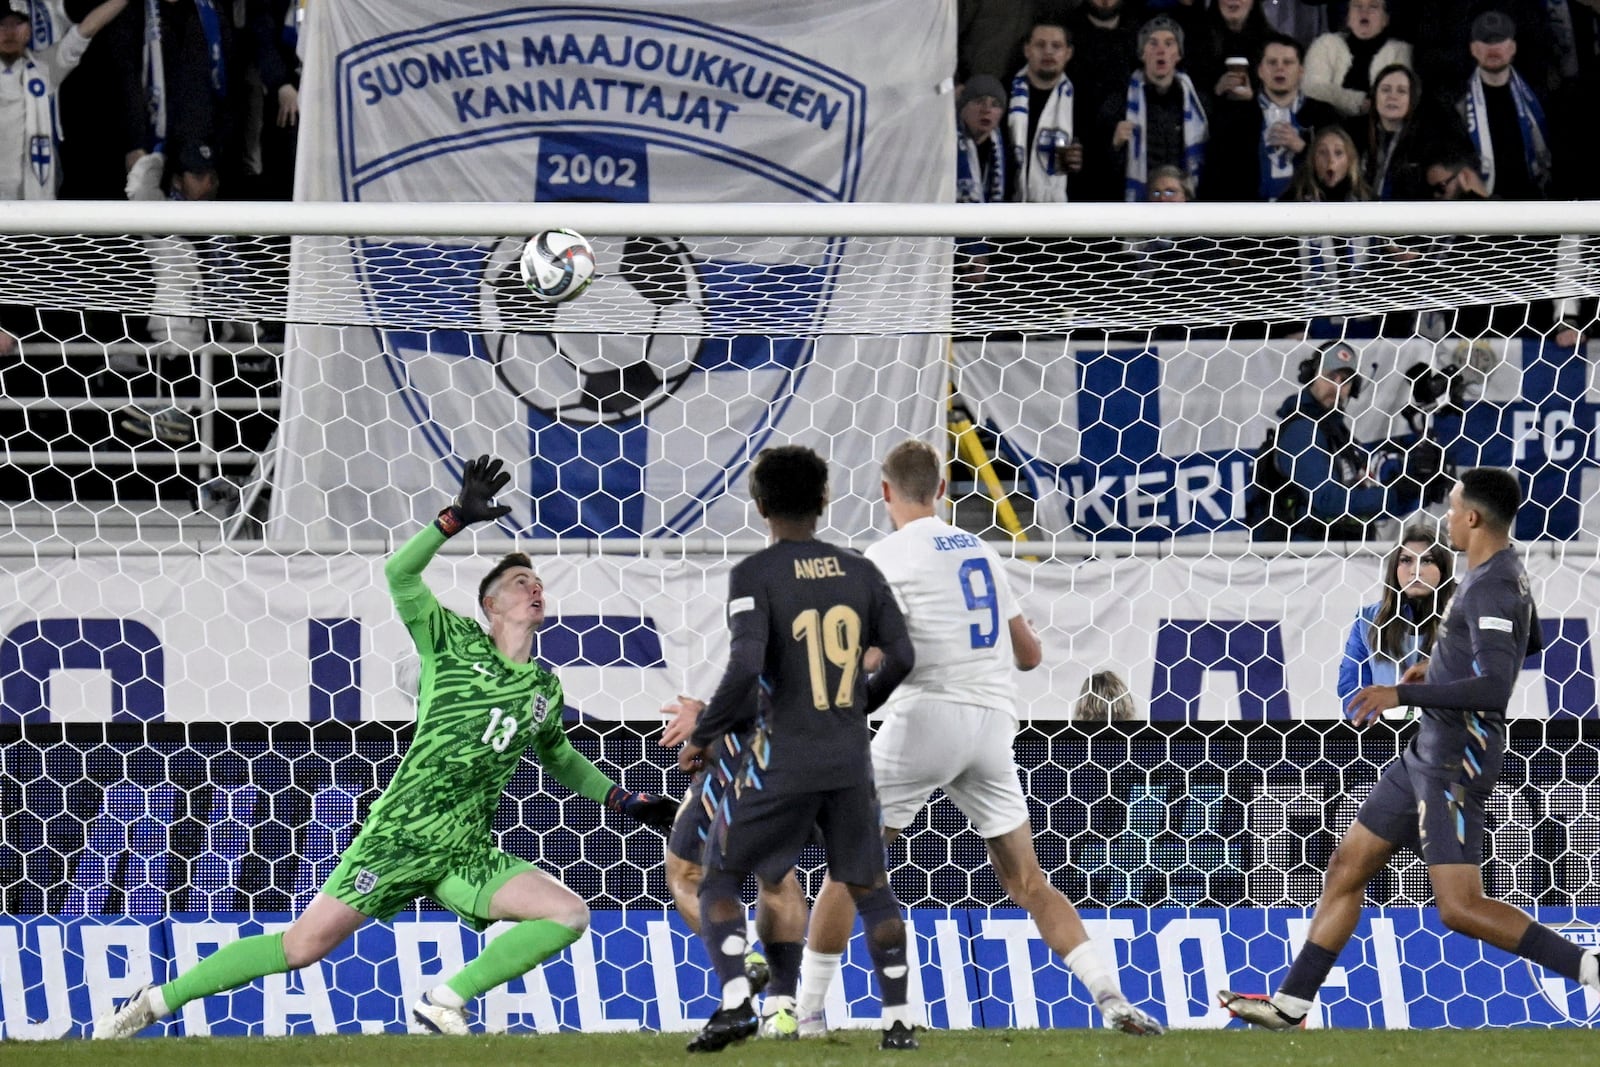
<point>477,711</point>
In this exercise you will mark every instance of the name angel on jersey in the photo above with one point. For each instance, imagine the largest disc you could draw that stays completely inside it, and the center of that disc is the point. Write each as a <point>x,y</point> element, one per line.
<point>821,567</point>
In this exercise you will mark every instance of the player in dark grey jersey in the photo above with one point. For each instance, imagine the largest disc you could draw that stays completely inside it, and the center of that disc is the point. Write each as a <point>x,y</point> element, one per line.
<point>801,614</point>
<point>1432,798</point>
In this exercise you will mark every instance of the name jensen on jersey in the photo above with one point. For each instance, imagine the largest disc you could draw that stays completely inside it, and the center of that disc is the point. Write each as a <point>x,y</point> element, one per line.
<point>955,542</point>
<point>825,567</point>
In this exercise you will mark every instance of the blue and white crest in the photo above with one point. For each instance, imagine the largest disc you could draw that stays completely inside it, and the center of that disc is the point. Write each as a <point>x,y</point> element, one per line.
<point>636,406</point>
<point>1577,1003</point>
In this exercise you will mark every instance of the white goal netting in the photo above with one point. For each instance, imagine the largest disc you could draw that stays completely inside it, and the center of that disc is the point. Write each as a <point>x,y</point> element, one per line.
<point>211,442</point>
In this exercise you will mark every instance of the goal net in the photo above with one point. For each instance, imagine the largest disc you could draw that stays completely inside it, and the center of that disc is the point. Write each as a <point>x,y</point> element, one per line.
<point>213,440</point>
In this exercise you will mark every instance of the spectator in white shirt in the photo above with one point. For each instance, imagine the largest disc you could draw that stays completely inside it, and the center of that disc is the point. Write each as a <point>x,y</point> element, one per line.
<point>1340,66</point>
<point>29,132</point>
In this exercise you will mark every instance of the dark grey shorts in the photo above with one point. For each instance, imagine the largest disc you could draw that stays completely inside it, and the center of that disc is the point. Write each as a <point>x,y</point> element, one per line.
<point>763,831</point>
<point>693,824</point>
<point>706,792</point>
<point>1438,818</point>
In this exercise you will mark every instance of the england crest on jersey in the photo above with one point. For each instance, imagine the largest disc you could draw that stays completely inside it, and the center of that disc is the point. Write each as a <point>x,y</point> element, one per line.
<point>1576,1003</point>
<point>630,410</point>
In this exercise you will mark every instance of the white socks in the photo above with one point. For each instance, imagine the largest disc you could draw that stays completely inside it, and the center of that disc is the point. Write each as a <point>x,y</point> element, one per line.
<point>736,992</point>
<point>157,1002</point>
<point>446,997</point>
<point>1589,969</point>
<point>900,1013</point>
<point>1092,971</point>
<point>1293,1007</point>
<point>817,972</point>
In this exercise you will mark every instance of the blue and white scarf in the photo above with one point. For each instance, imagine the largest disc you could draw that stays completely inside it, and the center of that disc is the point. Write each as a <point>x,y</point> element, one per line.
<point>211,27</point>
<point>1195,133</point>
<point>971,187</point>
<point>40,134</point>
<point>1039,180</point>
<point>50,24</point>
<point>155,76</point>
<point>1530,116</point>
<point>1277,163</point>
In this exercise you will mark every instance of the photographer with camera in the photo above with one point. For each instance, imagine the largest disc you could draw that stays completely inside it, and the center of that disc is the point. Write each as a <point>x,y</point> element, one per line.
<point>1312,481</point>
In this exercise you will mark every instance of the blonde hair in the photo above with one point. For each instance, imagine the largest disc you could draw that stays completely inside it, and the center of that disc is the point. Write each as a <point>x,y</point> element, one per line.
<point>914,467</point>
<point>1104,697</point>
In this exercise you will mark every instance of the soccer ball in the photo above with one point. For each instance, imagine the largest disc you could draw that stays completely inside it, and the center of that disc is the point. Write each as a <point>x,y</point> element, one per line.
<point>557,265</point>
<point>650,304</point>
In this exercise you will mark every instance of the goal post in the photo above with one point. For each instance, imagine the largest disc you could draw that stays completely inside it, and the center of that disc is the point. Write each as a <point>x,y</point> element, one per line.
<point>220,417</point>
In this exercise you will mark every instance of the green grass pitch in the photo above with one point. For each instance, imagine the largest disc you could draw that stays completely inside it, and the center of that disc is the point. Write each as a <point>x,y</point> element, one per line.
<point>969,1048</point>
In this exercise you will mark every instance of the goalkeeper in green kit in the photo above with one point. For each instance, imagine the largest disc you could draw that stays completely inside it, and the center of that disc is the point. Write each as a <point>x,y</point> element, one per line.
<point>482,702</point>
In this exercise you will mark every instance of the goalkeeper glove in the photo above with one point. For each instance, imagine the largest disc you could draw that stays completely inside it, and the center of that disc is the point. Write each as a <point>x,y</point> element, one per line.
<point>643,807</point>
<point>481,480</point>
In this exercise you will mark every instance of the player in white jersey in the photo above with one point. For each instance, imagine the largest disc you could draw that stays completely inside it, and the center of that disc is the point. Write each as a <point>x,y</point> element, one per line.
<point>950,726</point>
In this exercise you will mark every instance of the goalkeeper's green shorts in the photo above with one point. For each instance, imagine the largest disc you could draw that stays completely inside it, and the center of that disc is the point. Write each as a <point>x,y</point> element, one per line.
<point>379,879</point>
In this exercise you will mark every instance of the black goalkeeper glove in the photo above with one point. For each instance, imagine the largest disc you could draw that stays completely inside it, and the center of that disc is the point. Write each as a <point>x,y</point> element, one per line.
<point>481,480</point>
<point>647,808</point>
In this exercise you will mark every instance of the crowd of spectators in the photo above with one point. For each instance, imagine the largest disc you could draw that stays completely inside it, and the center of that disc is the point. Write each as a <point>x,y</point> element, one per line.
<point>187,99</point>
<point>148,100</point>
<point>1242,96</point>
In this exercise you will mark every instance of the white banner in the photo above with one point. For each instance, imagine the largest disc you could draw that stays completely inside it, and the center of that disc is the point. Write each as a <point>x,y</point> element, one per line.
<point>1127,440</point>
<point>224,639</point>
<point>617,435</point>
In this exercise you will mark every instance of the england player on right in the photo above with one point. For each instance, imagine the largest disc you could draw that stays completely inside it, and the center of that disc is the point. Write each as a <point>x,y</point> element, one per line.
<point>1432,798</point>
<point>950,725</point>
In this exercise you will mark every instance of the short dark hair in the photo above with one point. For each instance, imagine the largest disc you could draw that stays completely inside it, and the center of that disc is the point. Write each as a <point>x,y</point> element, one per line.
<point>789,482</point>
<point>1449,153</point>
<point>1495,492</point>
<point>1283,39</point>
<point>507,562</point>
<point>1053,23</point>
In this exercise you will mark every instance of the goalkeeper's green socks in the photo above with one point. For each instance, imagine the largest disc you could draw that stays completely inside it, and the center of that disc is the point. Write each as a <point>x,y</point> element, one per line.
<point>514,953</point>
<point>230,966</point>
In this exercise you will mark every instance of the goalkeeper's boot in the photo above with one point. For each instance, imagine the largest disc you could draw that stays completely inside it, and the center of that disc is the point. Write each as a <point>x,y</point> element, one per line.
<point>127,1018</point>
<point>778,1022</point>
<point>899,1038</point>
<point>1258,1010</point>
<point>440,1018</point>
<point>1121,1015</point>
<point>727,1026</point>
<point>813,1025</point>
<point>756,972</point>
